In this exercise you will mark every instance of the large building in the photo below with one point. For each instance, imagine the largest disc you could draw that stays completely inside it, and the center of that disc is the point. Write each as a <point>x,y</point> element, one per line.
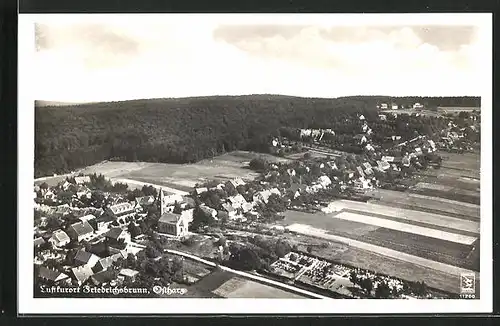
<point>121,210</point>
<point>173,224</point>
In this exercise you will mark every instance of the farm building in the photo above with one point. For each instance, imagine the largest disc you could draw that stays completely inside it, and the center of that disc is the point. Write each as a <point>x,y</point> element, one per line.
<point>117,235</point>
<point>82,180</point>
<point>85,258</point>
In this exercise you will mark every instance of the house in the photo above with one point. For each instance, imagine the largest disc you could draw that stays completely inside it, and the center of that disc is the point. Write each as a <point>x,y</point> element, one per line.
<point>230,210</point>
<point>80,231</point>
<point>360,171</point>
<point>199,191</point>
<point>418,106</point>
<point>85,258</point>
<point>349,173</point>
<point>361,117</point>
<point>82,180</point>
<point>263,196</point>
<point>234,183</point>
<point>170,200</point>
<point>121,210</point>
<point>87,218</point>
<point>52,276</point>
<point>128,274</point>
<point>388,159</point>
<point>237,201</point>
<point>246,207</point>
<point>367,165</point>
<point>362,183</point>
<point>173,224</point>
<point>383,165</point>
<point>59,239</point>
<point>382,117</point>
<point>104,221</point>
<point>394,107</point>
<point>103,278</point>
<point>37,242</point>
<point>209,211</point>
<point>332,165</point>
<point>106,262</point>
<point>82,273</point>
<point>369,147</point>
<point>384,106</point>
<point>117,234</point>
<point>324,181</point>
<point>305,133</point>
<point>405,161</point>
<point>49,195</point>
<point>360,139</point>
<point>66,185</point>
<point>144,201</point>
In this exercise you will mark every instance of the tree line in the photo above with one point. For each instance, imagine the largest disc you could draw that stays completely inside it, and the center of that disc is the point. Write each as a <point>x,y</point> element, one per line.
<point>177,130</point>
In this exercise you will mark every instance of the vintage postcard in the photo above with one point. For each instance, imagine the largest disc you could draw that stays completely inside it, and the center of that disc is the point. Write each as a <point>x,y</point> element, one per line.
<point>250,163</point>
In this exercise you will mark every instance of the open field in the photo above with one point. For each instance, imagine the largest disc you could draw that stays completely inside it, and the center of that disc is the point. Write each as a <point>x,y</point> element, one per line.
<point>447,252</point>
<point>465,183</point>
<point>238,287</point>
<point>406,214</point>
<point>323,221</point>
<point>454,194</point>
<point>456,109</point>
<point>427,204</point>
<point>204,287</point>
<point>404,227</point>
<point>310,231</point>
<point>445,188</point>
<point>183,177</point>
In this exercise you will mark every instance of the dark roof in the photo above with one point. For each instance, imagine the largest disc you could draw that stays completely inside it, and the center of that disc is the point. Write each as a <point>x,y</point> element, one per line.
<point>82,228</point>
<point>114,233</point>
<point>101,277</point>
<point>50,274</point>
<point>105,218</point>
<point>83,256</point>
<point>108,261</point>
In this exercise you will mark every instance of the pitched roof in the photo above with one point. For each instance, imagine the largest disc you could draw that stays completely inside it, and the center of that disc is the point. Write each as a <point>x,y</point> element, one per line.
<point>227,207</point>
<point>38,241</point>
<point>121,208</point>
<point>82,273</point>
<point>114,233</point>
<point>50,274</point>
<point>60,235</point>
<point>104,276</point>
<point>87,217</point>
<point>108,261</point>
<point>367,165</point>
<point>169,218</point>
<point>145,200</point>
<point>84,179</point>
<point>128,272</point>
<point>82,228</point>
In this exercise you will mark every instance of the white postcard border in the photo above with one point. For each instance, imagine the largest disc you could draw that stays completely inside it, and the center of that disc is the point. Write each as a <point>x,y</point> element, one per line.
<point>29,305</point>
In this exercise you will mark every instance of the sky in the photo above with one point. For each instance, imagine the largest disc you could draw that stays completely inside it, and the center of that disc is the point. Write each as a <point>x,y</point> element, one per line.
<point>122,59</point>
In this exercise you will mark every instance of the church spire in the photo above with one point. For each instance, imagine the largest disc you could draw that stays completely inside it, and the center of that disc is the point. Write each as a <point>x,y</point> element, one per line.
<point>160,199</point>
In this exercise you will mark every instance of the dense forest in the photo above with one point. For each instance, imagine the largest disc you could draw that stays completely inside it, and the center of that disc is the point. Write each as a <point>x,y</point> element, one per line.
<point>185,129</point>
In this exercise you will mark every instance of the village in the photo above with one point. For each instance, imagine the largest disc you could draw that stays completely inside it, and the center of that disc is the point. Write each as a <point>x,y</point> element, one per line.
<point>91,230</point>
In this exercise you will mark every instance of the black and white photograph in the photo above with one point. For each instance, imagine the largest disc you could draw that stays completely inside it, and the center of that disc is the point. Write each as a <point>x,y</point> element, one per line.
<point>272,159</point>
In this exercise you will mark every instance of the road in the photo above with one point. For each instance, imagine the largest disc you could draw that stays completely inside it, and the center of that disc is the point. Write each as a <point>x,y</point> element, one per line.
<point>248,275</point>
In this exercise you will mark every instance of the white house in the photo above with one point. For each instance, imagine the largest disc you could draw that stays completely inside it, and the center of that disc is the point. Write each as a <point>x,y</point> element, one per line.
<point>59,238</point>
<point>324,181</point>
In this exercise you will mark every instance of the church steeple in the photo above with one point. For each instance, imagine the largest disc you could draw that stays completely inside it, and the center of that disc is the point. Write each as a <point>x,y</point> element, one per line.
<point>160,201</point>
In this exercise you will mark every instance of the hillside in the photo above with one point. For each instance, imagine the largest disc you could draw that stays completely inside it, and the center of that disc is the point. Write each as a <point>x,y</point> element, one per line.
<point>179,130</point>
